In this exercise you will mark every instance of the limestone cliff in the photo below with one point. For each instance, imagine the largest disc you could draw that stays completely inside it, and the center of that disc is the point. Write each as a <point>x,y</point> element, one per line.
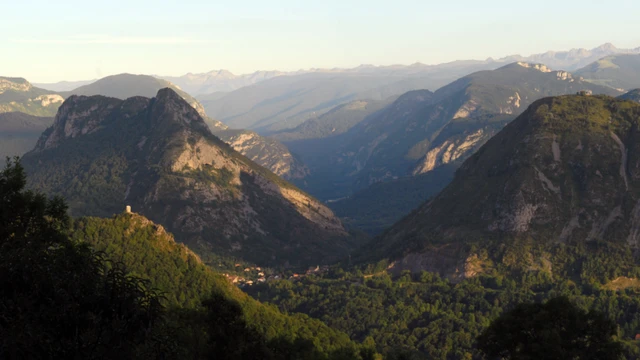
<point>18,95</point>
<point>265,151</point>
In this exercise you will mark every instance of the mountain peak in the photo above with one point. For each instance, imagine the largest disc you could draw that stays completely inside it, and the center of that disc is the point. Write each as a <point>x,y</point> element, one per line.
<point>222,74</point>
<point>607,47</point>
<point>158,156</point>
<point>169,105</point>
<point>168,94</point>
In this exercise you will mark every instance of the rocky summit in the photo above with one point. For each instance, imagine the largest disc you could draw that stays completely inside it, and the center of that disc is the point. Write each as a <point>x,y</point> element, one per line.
<point>159,156</point>
<point>565,173</point>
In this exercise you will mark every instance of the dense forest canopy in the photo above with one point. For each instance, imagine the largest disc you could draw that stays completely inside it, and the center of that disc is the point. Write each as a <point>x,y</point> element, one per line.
<point>122,288</point>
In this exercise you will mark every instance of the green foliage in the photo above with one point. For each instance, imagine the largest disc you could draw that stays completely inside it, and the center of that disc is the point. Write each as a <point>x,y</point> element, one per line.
<point>423,314</point>
<point>554,330</point>
<point>149,252</point>
<point>60,299</point>
<point>185,282</point>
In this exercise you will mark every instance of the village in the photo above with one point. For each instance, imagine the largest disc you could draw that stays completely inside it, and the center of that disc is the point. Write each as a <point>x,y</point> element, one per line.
<point>256,275</point>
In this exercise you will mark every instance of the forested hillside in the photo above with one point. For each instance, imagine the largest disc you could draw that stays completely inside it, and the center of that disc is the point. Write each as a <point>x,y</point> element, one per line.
<point>122,288</point>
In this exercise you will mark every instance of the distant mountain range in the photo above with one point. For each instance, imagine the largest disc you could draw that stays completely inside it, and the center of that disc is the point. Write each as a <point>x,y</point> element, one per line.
<point>225,81</point>
<point>269,101</point>
<point>287,100</point>
<point>64,85</point>
<point>572,59</point>
<point>219,81</point>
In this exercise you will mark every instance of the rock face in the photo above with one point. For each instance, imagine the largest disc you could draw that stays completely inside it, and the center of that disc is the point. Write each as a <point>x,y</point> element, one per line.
<point>567,171</point>
<point>159,156</point>
<point>18,95</point>
<point>490,100</point>
<point>266,152</point>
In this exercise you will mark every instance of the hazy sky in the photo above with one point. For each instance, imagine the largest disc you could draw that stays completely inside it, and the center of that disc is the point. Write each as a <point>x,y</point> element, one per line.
<point>46,41</point>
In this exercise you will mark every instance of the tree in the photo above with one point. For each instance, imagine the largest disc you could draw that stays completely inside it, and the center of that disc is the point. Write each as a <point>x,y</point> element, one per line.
<point>229,335</point>
<point>59,299</point>
<point>554,330</point>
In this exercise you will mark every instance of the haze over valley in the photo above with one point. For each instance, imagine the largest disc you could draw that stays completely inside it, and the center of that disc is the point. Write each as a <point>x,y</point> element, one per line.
<point>320,181</point>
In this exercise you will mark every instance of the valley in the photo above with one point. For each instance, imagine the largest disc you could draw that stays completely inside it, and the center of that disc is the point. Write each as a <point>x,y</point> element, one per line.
<point>460,210</point>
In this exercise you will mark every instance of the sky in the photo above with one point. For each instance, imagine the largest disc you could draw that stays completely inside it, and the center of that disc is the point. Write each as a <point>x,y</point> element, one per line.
<point>49,41</point>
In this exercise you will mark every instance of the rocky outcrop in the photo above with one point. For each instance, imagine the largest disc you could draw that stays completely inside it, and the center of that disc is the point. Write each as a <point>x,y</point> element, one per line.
<point>265,152</point>
<point>453,149</point>
<point>539,67</point>
<point>46,100</point>
<point>14,84</point>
